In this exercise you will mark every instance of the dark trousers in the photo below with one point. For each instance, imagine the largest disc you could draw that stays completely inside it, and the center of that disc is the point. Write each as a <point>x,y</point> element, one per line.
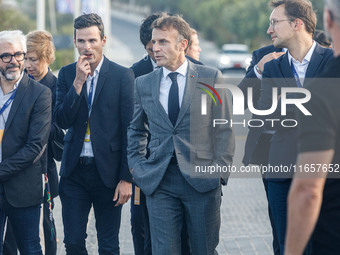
<point>276,246</point>
<point>50,235</point>
<point>25,226</point>
<point>80,191</point>
<point>140,227</point>
<point>277,197</point>
<point>174,202</point>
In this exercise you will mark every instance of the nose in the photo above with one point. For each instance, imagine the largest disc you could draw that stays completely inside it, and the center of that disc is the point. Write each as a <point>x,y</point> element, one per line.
<point>87,45</point>
<point>27,63</point>
<point>199,49</point>
<point>270,29</point>
<point>13,60</point>
<point>155,47</point>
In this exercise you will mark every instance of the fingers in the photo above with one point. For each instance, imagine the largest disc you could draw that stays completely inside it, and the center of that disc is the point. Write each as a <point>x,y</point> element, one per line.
<point>83,66</point>
<point>269,57</point>
<point>83,69</point>
<point>123,193</point>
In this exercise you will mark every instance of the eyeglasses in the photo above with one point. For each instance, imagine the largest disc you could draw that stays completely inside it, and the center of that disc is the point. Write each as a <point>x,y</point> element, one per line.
<point>6,57</point>
<point>273,22</point>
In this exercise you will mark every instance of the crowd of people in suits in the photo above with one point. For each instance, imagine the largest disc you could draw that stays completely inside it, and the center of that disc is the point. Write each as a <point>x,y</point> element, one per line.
<point>136,133</point>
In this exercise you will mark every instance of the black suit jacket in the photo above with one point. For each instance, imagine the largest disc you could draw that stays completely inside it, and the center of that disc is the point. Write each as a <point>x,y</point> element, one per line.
<point>111,114</point>
<point>251,81</point>
<point>50,81</point>
<point>25,138</point>
<point>143,66</point>
<point>278,74</point>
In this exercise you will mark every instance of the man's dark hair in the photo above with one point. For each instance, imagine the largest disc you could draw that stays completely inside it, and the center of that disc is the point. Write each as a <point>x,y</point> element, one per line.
<point>89,20</point>
<point>321,38</point>
<point>145,30</point>
<point>298,9</point>
<point>166,22</point>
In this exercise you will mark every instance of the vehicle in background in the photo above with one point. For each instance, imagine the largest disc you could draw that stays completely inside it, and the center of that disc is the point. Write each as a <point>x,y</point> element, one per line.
<point>234,56</point>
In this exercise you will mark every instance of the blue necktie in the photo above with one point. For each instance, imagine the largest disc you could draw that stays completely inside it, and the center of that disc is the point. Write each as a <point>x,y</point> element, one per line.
<point>173,101</point>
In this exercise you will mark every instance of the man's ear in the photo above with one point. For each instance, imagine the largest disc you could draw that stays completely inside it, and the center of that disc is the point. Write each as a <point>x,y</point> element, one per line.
<point>298,24</point>
<point>183,44</point>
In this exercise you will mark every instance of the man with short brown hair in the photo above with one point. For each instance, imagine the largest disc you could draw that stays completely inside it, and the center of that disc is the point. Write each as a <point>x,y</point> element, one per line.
<point>166,102</point>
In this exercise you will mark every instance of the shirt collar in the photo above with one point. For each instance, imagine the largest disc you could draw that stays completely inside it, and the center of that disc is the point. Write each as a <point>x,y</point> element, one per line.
<point>307,58</point>
<point>181,70</point>
<point>97,70</point>
<point>154,65</point>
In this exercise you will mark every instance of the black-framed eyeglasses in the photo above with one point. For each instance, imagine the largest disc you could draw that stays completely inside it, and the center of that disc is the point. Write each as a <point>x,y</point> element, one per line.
<point>273,22</point>
<point>6,57</point>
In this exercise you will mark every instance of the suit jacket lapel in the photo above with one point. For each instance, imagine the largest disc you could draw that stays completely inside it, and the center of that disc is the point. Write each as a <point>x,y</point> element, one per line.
<point>155,79</point>
<point>315,61</point>
<point>189,91</point>
<point>101,79</point>
<point>21,90</point>
<point>286,68</point>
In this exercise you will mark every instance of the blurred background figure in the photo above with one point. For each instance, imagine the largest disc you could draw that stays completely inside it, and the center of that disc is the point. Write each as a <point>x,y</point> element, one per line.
<point>40,54</point>
<point>194,48</point>
<point>322,39</point>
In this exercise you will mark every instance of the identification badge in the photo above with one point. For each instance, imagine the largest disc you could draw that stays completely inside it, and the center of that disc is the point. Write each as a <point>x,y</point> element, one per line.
<point>87,134</point>
<point>137,196</point>
<point>1,135</point>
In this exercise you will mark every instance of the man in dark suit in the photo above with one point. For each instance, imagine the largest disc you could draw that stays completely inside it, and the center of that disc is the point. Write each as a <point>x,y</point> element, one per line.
<point>292,24</point>
<point>24,129</point>
<point>140,227</point>
<point>95,104</point>
<point>258,140</point>
<point>169,109</point>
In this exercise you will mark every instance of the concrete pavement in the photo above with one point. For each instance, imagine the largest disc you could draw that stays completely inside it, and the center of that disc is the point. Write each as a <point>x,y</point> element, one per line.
<point>245,225</point>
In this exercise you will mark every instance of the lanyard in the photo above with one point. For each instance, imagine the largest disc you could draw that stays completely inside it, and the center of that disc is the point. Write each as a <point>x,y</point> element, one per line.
<point>8,102</point>
<point>296,76</point>
<point>89,100</point>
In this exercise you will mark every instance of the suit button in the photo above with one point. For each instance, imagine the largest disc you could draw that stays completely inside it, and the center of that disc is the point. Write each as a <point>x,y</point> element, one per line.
<point>175,132</point>
<point>85,123</point>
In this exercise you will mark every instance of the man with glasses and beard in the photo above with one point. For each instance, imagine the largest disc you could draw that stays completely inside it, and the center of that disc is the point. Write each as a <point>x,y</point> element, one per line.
<point>25,117</point>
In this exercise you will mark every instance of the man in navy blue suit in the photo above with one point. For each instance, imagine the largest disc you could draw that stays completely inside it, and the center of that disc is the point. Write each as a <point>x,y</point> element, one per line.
<point>140,227</point>
<point>292,24</point>
<point>257,143</point>
<point>95,104</point>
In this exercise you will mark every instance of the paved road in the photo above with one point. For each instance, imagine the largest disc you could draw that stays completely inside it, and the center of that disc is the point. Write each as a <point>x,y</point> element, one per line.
<point>245,226</point>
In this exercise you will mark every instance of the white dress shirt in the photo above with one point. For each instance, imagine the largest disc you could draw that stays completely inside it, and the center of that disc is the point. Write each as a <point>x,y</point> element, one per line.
<point>301,67</point>
<point>87,151</point>
<point>166,84</point>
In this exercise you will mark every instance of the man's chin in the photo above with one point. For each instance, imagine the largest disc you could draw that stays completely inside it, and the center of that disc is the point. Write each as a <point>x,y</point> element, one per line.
<point>12,76</point>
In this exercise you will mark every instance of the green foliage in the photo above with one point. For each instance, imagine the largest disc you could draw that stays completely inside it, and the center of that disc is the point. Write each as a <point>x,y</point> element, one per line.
<point>63,57</point>
<point>14,19</point>
<point>226,21</point>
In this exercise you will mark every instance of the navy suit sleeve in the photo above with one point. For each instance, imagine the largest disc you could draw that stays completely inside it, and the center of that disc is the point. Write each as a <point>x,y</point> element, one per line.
<point>126,111</point>
<point>68,101</point>
<point>38,130</point>
<point>251,80</point>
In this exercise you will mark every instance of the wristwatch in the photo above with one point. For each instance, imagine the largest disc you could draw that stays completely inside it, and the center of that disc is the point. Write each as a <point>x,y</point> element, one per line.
<point>258,69</point>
